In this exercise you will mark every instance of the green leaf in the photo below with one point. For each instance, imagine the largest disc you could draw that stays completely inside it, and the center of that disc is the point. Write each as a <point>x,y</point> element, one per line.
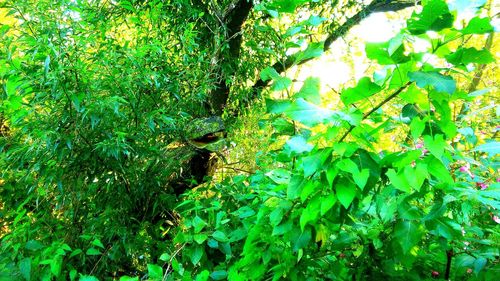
<point>128,278</point>
<point>470,55</point>
<point>364,89</point>
<point>327,203</point>
<point>307,113</point>
<point>408,234</point>
<point>398,180</point>
<point>298,144</point>
<point>279,82</point>
<point>200,238</point>
<point>88,278</point>
<point>220,236</point>
<point>438,81</point>
<point>387,52</point>
<point>436,168</point>
<point>479,264</point>
<point>198,224</point>
<point>56,265</point>
<point>415,177</point>
<point>313,50</point>
<point>155,272</point>
<point>218,275</point>
<point>245,212</point>
<point>310,91</point>
<point>315,20</point>
<point>492,148</point>
<point>435,145</point>
<point>295,187</point>
<point>202,276</point>
<point>417,127</point>
<point>25,268</point>
<point>345,193</point>
<point>98,243</point>
<point>92,252</point>
<point>310,213</point>
<point>435,16</point>
<point>478,25</point>
<point>196,254</point>
<point>361,178</point>
<point>277,106</point>
<point>300,239</point>
<point>33,245</point>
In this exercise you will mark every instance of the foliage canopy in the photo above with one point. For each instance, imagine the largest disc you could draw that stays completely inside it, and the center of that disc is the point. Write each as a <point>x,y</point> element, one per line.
<point>114,113</point>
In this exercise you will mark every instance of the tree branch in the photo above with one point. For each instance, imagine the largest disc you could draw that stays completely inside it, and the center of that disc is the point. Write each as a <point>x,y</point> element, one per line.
<point>374,7</point>
<point>386,100</point>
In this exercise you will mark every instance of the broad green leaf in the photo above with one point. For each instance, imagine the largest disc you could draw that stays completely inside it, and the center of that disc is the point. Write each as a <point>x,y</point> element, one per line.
<point>25,268</point>
<point>283,228</point>
<point>198,224</point>
<point>310,213</point>
<point>283,127</point>
<point>276,216</point>
<point>435,16</point>
<point>398,180</point>
<point>298,144</point>
<point>155,272</point>
<point>218,275</point>
<point>315,20</point>
<point>310,91</point>
<point>364,89</point>
<point>438,81</point>
<point>416,176</point>
<point>33,245</point>
<point>307,113</point>
<point>220,236</point>
<point>202,276</point>
<point>345,193</point>
<point>300,239</point>
<point>417,127</point>
<point>128,278</point>
<point>436,168</point>
<point>470,55</point>
<point>56,265</point>
<point>478,25</point>
<point>245,212</point>
<point>269,73</point>
<point>196,254</point>
<point>479,264</point>
<point>408,234</point>
<point>361,178</point>
<point>200,238</point>
<point>435,145</point>
<point>295,187</point>
<point>313,50</point>
<point>93,252</point>
<point>277,106</point>
<point>386,53</point>
<point>347,165</point>
<point>281,83</point>
<point>98,243</point>
<point>492,148</point>
<point>327,203</point>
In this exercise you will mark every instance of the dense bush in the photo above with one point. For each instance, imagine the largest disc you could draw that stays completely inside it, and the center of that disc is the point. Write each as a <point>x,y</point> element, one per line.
<point>397,180</point>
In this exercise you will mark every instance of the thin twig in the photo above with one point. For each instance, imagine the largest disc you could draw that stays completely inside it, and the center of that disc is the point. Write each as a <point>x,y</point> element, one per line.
<point>382,103</point>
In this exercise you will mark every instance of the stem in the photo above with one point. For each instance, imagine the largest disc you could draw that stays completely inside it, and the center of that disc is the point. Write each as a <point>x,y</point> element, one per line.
<point>386,100</point>
<point>449,256</point>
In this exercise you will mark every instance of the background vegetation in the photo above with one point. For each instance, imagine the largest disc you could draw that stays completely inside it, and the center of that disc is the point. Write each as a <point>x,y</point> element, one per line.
<point>175,140</point>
